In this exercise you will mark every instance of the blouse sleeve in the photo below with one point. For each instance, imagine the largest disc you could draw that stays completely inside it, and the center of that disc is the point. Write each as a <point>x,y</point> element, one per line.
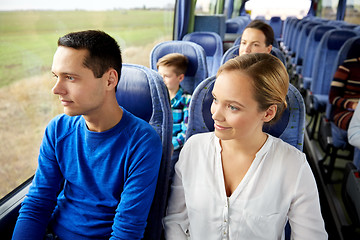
<point>176,222</point>
<point>304,215</point>
<point>354,128</point>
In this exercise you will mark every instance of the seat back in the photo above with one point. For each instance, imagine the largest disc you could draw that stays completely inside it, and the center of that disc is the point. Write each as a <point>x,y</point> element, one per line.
<point>303,36</point>
<point>234,52</point>
<point>288,26</point>
<point>290,127</point>
<point>311,46</point>
<point>295,34</point>
<point>276,24</point>
<point>350,49</point>
<point>142,92</point>
<point>213,46</point>
<point>324,64</point>
<point>197,67</point>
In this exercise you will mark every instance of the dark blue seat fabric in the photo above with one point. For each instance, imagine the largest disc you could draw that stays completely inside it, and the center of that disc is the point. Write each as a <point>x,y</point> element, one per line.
<point>277,24</point>
<point>234,51</point>
<point>290,128</point>
<point>197,68</point>
<point>213,46</point>
<point>142,92</point>
<point>338,23</point>
<point>323,73</point>
<point>332,137</point>
<point>288,23</point>
<point>288,33</point>
<point>325,66</point>
<point>240,23</point>
<point>301,44</point>
<point>210,23</point>
<point>295,30</point>
<point>230,53</point>
<point>349,26</point>
<point>312,44</point>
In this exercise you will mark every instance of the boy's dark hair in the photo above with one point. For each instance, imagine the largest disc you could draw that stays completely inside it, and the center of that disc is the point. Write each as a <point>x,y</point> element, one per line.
<point>179,61</point>
<point>265,28</point>
<point>104,52</point>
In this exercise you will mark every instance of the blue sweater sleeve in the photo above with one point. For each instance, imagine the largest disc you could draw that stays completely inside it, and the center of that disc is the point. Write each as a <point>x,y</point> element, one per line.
<point>40,202</point>
<point>139,187</point>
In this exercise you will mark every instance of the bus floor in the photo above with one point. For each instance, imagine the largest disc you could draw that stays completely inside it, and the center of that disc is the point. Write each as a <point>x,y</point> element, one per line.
<point>337,222</point>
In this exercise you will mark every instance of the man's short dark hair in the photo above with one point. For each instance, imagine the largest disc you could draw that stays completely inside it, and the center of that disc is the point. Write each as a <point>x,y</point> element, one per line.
<point>104,52</point>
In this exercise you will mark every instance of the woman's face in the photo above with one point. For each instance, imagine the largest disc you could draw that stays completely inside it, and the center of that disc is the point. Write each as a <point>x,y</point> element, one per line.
<point>253,41</point>
<point>234,110</point>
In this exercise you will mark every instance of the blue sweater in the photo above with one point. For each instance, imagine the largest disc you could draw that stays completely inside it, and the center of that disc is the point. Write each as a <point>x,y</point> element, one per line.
<point>110,179</point>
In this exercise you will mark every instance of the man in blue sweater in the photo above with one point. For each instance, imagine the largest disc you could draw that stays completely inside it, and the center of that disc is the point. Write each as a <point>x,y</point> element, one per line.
<point>98,164</point>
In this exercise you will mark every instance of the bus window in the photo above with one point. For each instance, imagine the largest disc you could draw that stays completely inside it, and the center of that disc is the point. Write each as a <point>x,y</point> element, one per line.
<point>328,9</point>
<point>28,40</point>
<point>281,8</point>
<point>352,14</point>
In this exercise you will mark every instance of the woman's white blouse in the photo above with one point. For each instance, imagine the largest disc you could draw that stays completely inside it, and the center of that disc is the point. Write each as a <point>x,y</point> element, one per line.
<point>278,186</point>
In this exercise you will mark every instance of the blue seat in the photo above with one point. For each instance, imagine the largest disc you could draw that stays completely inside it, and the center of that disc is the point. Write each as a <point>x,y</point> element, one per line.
<point>338,23</point>
<point>286,33</point>
<point>240,23</point>
<point>331,137</point>
<point>290,127</point>
<point>312,43</point>
<point>277,24</point>
<point>349,26</point>
<point>324,65</point>
<point>234,51</point>
<point>142,92</point>
<point>301,44</point>
<point>197,68</point>
<point>323,73</point>
<point>291,51</point>
<point>213,46</point>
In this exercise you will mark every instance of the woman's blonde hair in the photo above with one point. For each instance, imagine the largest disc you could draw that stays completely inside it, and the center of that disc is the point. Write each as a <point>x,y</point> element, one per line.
<point>270,79</point>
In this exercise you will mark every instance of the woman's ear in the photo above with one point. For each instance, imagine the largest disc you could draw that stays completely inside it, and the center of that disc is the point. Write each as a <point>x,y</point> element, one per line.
<point>270,113</point>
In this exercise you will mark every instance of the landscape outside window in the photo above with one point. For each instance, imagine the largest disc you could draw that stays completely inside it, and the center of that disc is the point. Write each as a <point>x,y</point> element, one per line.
<point>28,39</point>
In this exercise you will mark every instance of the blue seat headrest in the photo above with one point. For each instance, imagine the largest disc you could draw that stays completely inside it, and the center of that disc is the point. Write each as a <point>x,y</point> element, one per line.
<point>309,27</point>
<point>320,31</point>
<point>337,38</point>
<point>188,51</point>
<point>232,27</point>
<point>133,92</point>
<point>354,51</point>
<point>207,41</point>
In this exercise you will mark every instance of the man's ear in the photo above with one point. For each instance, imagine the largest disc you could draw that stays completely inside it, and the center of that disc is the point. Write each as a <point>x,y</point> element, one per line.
<point>112,79</point>
<point>181,77</point>
<point>269,48</point>
<point>270,113</point>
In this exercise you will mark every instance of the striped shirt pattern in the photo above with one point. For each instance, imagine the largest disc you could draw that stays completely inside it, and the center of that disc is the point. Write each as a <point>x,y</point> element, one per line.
<point>344,91</point>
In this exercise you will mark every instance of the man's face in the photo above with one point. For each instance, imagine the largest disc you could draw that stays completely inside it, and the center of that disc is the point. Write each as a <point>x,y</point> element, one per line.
<point>79,91</point>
